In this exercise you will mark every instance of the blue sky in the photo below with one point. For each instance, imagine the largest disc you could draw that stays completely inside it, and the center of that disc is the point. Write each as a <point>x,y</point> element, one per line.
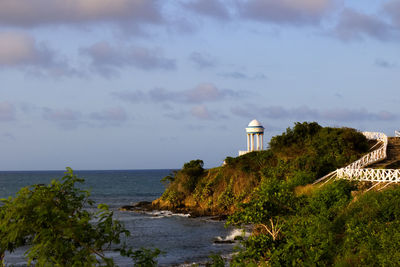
<point>136,84</point>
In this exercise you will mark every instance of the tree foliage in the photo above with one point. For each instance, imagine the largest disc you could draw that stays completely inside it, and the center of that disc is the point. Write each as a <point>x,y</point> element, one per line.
<point>324,226</point>
<point>299,156</point>
<point>53,220</point>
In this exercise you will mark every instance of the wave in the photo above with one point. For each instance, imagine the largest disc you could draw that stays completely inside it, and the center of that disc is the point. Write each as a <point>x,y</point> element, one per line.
<point>166,213</point>
<point>234,235</point>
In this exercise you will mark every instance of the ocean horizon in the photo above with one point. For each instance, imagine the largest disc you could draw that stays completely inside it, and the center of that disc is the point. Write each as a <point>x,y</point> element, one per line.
<point>183,240</point>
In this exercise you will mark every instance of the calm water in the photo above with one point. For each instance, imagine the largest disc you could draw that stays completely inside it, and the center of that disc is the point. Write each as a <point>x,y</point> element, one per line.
<point>181,238</point>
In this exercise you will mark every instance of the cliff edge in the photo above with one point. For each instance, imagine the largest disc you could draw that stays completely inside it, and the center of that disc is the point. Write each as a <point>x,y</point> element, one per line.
<point>299,156</point>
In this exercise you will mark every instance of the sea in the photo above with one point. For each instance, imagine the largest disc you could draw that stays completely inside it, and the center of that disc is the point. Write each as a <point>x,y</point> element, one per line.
<point>183,240</point>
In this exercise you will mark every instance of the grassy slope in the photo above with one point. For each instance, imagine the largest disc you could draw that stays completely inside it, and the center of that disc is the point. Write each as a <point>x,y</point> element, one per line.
<point>299,156</point>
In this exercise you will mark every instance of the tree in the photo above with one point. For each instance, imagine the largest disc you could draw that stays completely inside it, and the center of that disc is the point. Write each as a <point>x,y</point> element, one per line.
<point>54,222</point>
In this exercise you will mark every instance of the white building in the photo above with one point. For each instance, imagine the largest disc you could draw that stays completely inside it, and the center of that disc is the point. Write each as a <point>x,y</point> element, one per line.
<point>254,130</point>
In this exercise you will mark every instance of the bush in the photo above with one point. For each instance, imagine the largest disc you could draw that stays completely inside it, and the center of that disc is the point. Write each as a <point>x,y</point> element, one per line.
<point>53,221</point>
<point>371,232</point>
<point>306,228</point>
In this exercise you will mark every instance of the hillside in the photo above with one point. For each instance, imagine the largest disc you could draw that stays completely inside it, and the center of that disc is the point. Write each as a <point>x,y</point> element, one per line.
<point>299,156</point>
<point>295,223</point>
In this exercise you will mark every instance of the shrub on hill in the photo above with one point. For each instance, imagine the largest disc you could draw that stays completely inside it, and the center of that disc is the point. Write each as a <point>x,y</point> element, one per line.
<point>52,220</point>
<point>327,228</point>
<point>297,157</point>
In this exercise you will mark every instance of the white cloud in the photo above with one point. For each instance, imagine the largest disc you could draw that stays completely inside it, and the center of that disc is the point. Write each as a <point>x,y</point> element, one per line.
<point>7,111</point>
<point>354,25</point>
<point>392,8</point>
<point>296,12</point>
<point>211,8</point>
<point>307,113</point>
<point>201,112</point>
<point>205,92</point>
<point>28,13</point>
<point>20,50</point>
<point>107,59</point>
<point>202,61</point>
<point>114,114</point>
<point>61,115</point>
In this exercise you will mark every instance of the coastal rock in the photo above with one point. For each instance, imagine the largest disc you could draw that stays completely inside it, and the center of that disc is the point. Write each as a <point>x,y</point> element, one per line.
<point>223,241</point>
<point>139,206</point>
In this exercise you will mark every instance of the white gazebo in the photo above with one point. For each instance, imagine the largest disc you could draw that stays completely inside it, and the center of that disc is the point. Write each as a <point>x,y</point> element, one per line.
<point>254,129</point>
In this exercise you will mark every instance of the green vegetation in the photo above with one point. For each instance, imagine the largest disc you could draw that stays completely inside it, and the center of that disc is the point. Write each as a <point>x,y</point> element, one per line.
<point>327,227</point>
<point>297,157</point>
<point>55,223</point>
<point>298,224</point>
<point>295,223</point>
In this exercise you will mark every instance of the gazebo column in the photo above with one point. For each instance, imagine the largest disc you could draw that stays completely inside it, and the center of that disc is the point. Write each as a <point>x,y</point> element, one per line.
<point>248,142</point>
<point>258,141</point>
<point>262,141</point>
<point>252,142</point>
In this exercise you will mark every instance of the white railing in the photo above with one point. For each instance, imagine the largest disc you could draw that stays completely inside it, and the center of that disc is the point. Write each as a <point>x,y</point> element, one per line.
<point>374,156</point>
<point>370,175</point>
<point>397,133</point>
<point>356,171</point>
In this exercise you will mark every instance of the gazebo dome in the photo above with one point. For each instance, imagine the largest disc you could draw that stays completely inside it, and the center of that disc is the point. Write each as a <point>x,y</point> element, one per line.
<point>255,123</point>
<point>255,127</point>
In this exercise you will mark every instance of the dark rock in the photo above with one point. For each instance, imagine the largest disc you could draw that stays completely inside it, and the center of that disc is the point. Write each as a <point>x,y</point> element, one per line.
<point>139,206</point>
<point>127,208</point>
<point>221,217</point>
<point>224,241</point>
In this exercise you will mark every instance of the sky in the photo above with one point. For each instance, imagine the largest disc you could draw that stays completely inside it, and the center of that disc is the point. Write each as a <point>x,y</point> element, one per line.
<point>147,84</point>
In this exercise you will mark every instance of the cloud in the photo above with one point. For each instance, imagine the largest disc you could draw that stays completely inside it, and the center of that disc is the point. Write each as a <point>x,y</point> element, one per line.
<point>357,115</point>
<point>392,9</point>
<point>202,61</point>
<point>107,59</point>
<point>61,115</point>
<point>7,111</point>
<point>131,96</point>
<point>205,92</point>
<point>211,8</point>
<point>20,50</point>
<point>384,64</point>
<point>65,118</point>
<point>179,115</point>
<point>354,25</point>
<point>27,13</point>
<point>162,95</point>
<point>294,12</point>
<point>201,112</point>
<point>70,119</point>
<point>242,76</point>
<point>338,95</point>
<point>307,113</point>
<point>7,136</point>
<point>110,115</point>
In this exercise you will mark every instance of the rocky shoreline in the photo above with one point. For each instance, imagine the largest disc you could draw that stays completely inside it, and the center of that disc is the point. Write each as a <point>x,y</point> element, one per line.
<point>147,206</point>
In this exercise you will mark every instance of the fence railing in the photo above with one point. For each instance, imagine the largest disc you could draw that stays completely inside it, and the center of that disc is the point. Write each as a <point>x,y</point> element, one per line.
<point>370,175</point>
<point>374,156</point>
<point>397,133</point>
<point>356,170</point>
